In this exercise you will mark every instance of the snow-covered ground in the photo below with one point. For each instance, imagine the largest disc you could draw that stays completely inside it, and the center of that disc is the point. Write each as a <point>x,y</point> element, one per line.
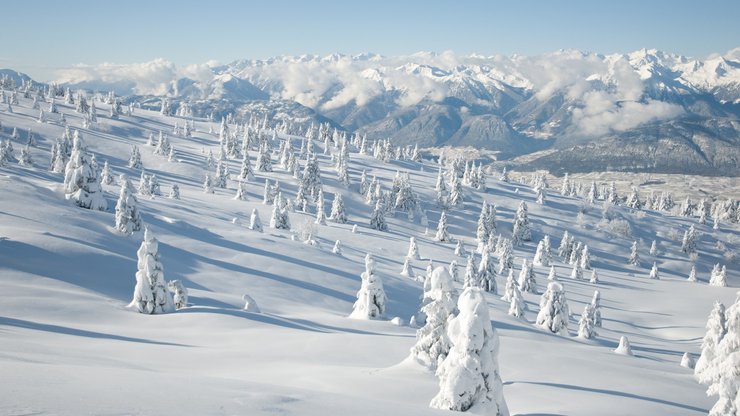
<point>70,346</point>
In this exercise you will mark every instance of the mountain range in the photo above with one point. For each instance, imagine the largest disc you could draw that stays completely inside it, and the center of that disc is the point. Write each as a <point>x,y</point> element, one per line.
<point>563,111</point>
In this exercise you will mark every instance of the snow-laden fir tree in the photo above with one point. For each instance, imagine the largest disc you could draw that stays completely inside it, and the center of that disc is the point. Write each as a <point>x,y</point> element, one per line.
<point>654,248</point>
<point>516,304</point>
<point>482,233</point>
<point>151,294</point>
<point>154,188</point>
<point>337,248</point>
<point>718,277</point>
<point>432,342</point>
<point>413,249</point>
<point>456,192</point>
<point>241,191</point>
<point>279,218</point>
<point>264,158</point>
<point>377,218</point>
<point>106,176</point>
<point>128,218</point>
<point>586,326</point>
<point>452,269</point>
<point>577,272</point>
<point>511,284</point>
<point>705,368</point>
<point>469,377</point>
<point>654,273</point>
<point>585,259</point>
<point>408,270</point>
<point>692,274</point>
<point>338,214</point>
<point>596,303</point>
<point>624,347</point>
<point>634,255</point>
<point>554,312</point>
<point>540,256</point>
<point>487,273</point>
<point>25,158</point>
<point>81,182</point>
<point>726,380</point>
<point>135,160</point>
<point>246,173</point>
<point>687,361</point>
<point>471,273</point>
<point>460,249</point>
<point>521,229</point>
<point>207,184</point>
<point>371,297</point>
<point>320,213</point>
<point>552,275</point>
<point>254,221</point>
<point>174,191</point>
<point>564,248</point>
<point>442,233</point>
<point>527,281</point>
<point>594,276</point>
<point>506,257</point>
<point>179,293</point>
<point>688,244</point>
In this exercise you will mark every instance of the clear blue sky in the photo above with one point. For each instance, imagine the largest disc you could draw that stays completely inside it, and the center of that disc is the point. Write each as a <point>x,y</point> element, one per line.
<point>44,35</point>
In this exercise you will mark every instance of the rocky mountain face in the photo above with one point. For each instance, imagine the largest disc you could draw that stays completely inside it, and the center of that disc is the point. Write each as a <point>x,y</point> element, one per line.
<point>566,111</point>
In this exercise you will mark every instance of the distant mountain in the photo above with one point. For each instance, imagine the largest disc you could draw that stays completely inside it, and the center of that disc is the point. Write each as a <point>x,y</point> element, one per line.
<point>658,111</point>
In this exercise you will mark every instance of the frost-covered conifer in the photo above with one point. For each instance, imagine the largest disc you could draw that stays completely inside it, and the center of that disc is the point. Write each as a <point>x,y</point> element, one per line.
<point>25,158</point>
<point>279,219</point>
<point>516,304</point>
<point>527,281</point>
<point>726,381</point>
<point>705,369</point>
<point>654,274</point>
<point>511,285</point>
<point>442,233</point>
<point>552,275</point>
<point>154,188</point>
<point>594,276</point>
<point>718,277</point>
<point>207,184</point>
<point>456,192</point>
<point>337,248</point>
<point>460,249</point>
<point>377,219</point>
<point>469,377</point>
<point>624,347</point>
<point>81,182</point>
<point>371,297</point>
<point>585,258</point>
<point>688,244</point>
<point>254,221</point>
<point>487,273</point>
<point>241,191</point>
<point>596,303</point>
<point>106,176</point>
<point>179,293</point>
<point>634,255</point>
<point>413,249</point>
<point>554,312</point>
<point>407,270</point>
<point>564,248</point>
<point>692,274</point>
<point>320,213</point>
<point>471,273</point>
<point>151,294</point>
<point>128,218</point>
<point>506,258</point>
<point>586,326</point>
<point>540,256</point>
<point>135,160</point>
<point>521,229</point>
<point>654,248</point>
<point>264,159</point>
<point>432,342</point>
<point>338,214</point>
<point>577,272</point>
<point>687,361</point>
<point>174,191</point>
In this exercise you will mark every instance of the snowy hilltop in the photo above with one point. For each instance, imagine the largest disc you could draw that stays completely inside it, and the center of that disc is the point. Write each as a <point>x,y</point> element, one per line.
<point>156,258</point>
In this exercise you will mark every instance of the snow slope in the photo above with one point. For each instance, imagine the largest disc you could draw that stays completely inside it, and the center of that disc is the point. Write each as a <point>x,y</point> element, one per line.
<point>70,346</point>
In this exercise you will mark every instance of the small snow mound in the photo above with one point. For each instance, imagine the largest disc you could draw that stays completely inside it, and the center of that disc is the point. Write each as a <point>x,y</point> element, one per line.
<point>397,321</point>
<point>624,347</point>
<point>250,305</point>
<point>687,361</point>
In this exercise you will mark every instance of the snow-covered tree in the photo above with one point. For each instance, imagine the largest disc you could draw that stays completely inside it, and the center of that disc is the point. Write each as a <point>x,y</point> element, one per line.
<point>174,191</point>
<point>552,275</point>
<point>151,294</point>
<point>726,378</point>
<point>634,255</point>
<point>540,256</point>
<point>254,221</point>
<point>460,249</point>
<point>594,276</point>
<point>654,274</point>
<point>527,281</point>
<point>320,213</point>
<point>577,272</point>
<point>506,257</point>
<point>487,273</point>
<point>442,233</point>
<point>279,218</point>
<point>624,347</point>
<point>687,361</point>
<point>371,297</point>
<point>692,274</point>
<point>718,277</point>
<point>456,192</point>
<point>516,304</point>
<point>264,158</point>
<point>554,312</point>
<point>337,249</point>
<point>377,219</point>
<point>241,191</point>
<point>471,273</point>
<point>705,369</point>
<point>688,244</point>
<point>654,248</point>
<point>408,270</point>
<point>413,249</point>
<point>81,182</point>
<point>510,286</point>
<point>596,304</point>
<point>128,218</point>
<point>338,213</point>
<point>586,326</point>
<point>521,229</point>
<point>208,184</point>
<point>179,293</point>
<point>585,258</point>
<point>469,377</point>
<point>432,342</point>
<point>106,176</point>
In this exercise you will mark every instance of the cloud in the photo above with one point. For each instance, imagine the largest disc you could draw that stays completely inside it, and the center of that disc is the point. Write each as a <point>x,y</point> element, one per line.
<point>154,77</point>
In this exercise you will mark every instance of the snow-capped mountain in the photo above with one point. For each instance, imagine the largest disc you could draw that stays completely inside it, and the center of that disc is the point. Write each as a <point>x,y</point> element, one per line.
<point>647,102</point>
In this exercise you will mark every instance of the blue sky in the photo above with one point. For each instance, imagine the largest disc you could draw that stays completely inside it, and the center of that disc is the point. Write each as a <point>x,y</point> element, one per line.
<point>43,35</point>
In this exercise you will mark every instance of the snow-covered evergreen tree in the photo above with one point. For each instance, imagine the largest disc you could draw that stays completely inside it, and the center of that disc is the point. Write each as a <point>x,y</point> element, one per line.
<point>688,244</point>
<point>594,276</point>
<point>586,326</point>
<point>174,191</point>
<point>634,255</point>
<point>128,218</point>
<point>337,249</point>
<point>413,249</point>
<point>320,213</point>
<point>408,270</point>
<point>371,298</point>
<point>596,303</point>
<point>521,229</point>
<point>208,184</point>
<point>487,273</point>
<point>552,275</point>
<point>254,221</point>
<point>554,312</point>
<point>527,281</point>
<point>179,293</point>
<point>654,248</point>
<point>338,213</point>
<point>432,342</point>
<point>540,256</point>
<point>577,272</point>
<point>726,378</point>
<point>654,274</point>
<point>506,257</point>
<point>624,347</point>
<point>106,176</point>
<point>585,259</point>
<point>81,182</point>
<point>135,160</point>
<point>377,219</point>
<point>718,277</point>
<point>151,294</point>
<point>692,274</point>
<point>460,249</point>
<point>705,368</point>
<point>241,191</point>
<point>469,377</point>
<point>442,233</point>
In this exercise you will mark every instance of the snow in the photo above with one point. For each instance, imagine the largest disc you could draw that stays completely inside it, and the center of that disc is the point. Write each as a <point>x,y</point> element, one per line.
<point>70,346</point>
